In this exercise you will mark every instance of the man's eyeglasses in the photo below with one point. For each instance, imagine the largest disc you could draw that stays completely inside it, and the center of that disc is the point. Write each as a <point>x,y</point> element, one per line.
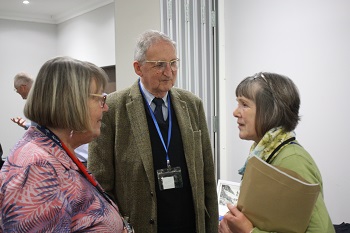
<point>161,65</point>
<point>102,98</point>
<point>16,88</point>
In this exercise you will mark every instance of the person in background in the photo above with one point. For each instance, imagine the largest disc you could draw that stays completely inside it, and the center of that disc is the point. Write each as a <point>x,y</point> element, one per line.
<point>157,162</point>
<point>22,84</point>
<point>267,114</point>
<point>43,186</point>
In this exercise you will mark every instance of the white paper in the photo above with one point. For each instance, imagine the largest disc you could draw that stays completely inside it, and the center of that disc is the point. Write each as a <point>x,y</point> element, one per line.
<point>228,192</point>
<point>168,182</point>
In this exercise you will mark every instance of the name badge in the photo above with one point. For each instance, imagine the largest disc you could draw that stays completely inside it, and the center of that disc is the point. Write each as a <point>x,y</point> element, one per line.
<point>169,178</point>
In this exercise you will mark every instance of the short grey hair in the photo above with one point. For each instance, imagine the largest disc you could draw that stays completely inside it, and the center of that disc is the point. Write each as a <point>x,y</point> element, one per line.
<point>147,39</point>
<point>22,78</point>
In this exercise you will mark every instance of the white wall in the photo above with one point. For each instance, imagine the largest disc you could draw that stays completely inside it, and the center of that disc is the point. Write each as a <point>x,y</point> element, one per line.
<point>89,37</point>
<point>26,46</point>
<point>133,17</point>
<point>309,42</point>
<point>305,40</point>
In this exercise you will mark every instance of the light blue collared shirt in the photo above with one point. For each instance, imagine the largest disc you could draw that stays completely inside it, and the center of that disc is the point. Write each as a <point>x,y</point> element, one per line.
<point>149,97</point>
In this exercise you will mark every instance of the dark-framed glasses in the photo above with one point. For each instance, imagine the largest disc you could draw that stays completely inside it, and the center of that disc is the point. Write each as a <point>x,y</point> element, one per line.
<point>161,65</point>
<point>102,98</point>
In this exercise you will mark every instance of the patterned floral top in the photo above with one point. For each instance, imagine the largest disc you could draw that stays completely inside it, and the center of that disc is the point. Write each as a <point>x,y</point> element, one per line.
<point>42,190</point>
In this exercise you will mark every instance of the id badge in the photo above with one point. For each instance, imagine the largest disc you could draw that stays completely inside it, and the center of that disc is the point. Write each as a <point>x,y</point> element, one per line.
<point>169,178</point>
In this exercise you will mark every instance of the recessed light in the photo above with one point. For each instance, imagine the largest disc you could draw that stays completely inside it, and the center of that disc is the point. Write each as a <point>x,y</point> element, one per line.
<point>25,2</point>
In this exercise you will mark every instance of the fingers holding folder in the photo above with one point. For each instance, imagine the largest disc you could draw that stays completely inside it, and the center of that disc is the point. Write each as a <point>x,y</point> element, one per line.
<point>235,221</point>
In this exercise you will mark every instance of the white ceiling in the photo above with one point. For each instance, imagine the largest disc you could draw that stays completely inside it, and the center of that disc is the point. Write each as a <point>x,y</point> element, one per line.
<point>48,11</point>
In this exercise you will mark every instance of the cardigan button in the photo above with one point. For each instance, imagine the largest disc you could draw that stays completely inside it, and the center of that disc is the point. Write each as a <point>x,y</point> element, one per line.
<point>152,194</point>
<point>151,221</point>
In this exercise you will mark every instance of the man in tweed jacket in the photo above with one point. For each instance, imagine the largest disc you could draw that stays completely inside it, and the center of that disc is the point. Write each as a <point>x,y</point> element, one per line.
<point>129,152</point>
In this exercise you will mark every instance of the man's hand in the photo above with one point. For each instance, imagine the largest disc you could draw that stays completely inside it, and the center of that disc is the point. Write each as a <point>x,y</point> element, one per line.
<point>19,121</point>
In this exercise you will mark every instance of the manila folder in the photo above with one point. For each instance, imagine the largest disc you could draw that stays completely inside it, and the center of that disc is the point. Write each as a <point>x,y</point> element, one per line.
<point>276,199</point>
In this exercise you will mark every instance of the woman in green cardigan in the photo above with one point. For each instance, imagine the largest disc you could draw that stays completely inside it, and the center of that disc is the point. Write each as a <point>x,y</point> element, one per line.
<point>267,113</point>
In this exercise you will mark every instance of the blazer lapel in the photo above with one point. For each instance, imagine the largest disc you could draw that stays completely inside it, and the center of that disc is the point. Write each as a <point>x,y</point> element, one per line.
<point>139,128</point>
<point>183,118</point>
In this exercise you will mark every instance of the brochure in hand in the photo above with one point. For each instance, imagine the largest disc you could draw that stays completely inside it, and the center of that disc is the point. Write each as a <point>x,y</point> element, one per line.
<point>228,192</point>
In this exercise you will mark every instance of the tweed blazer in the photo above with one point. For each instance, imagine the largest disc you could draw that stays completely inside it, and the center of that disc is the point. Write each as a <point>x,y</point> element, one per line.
<point>121,158</point>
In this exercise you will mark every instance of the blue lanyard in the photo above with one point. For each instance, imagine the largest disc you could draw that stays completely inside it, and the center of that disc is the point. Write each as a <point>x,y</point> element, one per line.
<point>157,126</point>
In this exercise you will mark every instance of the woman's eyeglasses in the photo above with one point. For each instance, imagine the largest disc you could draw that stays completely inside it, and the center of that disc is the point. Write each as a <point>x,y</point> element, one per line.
<point>102,98</point>
<point>262,76</point>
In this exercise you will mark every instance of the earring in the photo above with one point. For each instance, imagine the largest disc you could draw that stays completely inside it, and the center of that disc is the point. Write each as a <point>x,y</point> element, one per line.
<point>71,134</point>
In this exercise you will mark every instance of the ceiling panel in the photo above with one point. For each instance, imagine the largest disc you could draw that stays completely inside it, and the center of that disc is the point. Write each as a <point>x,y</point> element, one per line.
<point>48,11</point>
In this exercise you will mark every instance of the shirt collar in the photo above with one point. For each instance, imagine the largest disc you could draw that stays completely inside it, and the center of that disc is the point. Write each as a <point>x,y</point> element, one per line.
<point>149,97</point>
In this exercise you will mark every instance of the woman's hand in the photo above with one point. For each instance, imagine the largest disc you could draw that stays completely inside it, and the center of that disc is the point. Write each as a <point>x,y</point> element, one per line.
<point>235,221</point>
<point>223,227</point>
